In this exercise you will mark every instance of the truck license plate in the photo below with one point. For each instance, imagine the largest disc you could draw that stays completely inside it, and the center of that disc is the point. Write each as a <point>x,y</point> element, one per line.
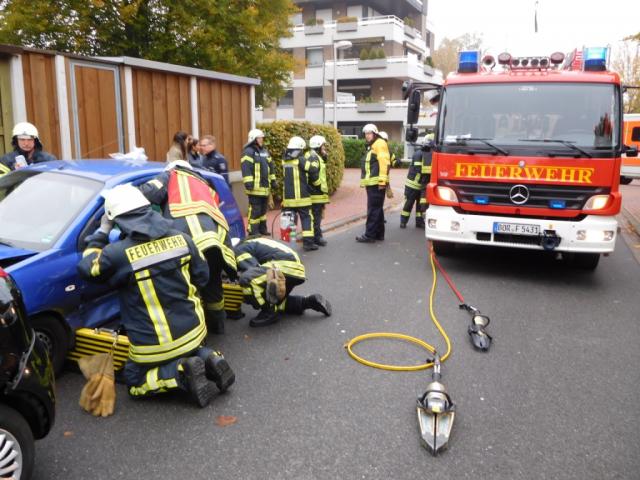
<point>516,228</point>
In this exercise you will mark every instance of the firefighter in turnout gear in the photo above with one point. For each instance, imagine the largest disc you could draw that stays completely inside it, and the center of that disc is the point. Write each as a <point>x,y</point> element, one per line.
<point>299,174</point>
<point>156,270</point>
<point>415,186</point>
<point>188,199</point>
<point>374,177</point>
<point>27,149</point>
<point>257,259</point>
<point>319,190</point>
<point>259,178</point>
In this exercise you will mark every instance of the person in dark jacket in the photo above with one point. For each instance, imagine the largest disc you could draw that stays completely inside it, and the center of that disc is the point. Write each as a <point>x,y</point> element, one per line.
<point>415,185</point>
<point>255,257</point>
<point>317,156</point>
<point>156,271</point>
<point>298,174</point>
<point>187,198</point>
<point>211,159</point>
<point>259,178</point>
<point>27,149</point>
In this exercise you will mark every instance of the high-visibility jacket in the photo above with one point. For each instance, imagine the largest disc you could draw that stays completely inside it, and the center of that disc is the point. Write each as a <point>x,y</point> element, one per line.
<point>254,256</point>
<point>156,270</point>
<point>375,164</point>
<point>8,161</point>
<point>298,174</point>
<point>419,170</point>
<point>319,190</point>
<point>258,172</point>
<point>188,198</point>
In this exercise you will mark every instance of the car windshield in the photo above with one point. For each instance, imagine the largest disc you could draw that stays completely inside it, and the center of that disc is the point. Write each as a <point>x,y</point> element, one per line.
<point>543,115</point>
<point>37,207</point>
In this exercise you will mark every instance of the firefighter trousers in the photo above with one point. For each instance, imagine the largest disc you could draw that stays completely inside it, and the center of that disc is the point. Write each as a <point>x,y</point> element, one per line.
<point>411,197</point>
<point>375,212</point>
<point>257,215</point>
<point>212,294</point>
<point>145,379</point>
<point>317,209</point>
<point>306,219</point>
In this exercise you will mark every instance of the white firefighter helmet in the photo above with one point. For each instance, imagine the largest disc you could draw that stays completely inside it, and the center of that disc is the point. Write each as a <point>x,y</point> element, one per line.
<point>25,129</point>
<point>384,135</point>
<point>370,128</point>
<point>432,96</point>
<point>178,163</point>
<point>317,141</point>
<point>296,143</point>
<point>255,133</point>
<point>122,199</point>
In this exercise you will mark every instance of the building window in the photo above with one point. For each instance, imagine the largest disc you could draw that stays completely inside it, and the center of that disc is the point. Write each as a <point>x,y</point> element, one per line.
<point>314,97</point>
<point>315,57</point>
<point>286,101</point>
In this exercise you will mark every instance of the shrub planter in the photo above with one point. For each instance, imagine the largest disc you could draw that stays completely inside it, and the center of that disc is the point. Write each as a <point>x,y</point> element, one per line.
<point>347,27</point>
<point>429,70</point>
<point>372,108</point>
<point>410,31</point>
<point>375,63</point>
<point>313,29</point>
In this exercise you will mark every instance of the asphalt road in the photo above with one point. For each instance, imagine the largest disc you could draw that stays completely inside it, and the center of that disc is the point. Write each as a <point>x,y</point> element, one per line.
<point>557,397</point>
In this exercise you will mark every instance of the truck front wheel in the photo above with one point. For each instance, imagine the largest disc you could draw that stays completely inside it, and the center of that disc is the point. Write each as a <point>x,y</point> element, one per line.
<point>584,261</point>
<point>626,180</point>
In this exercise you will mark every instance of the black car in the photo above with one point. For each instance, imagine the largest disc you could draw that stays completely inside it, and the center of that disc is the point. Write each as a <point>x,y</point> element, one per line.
<point>27,399</point>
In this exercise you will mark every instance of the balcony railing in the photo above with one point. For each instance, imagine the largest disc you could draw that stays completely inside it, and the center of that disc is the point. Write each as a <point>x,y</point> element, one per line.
<point>364,22</point>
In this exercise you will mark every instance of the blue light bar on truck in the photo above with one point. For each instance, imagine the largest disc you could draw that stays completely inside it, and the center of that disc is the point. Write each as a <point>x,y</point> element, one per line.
<point>468,61</point>
<point>595,59</point>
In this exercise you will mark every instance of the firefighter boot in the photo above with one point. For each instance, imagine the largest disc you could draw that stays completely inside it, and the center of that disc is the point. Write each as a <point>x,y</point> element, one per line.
<point>262,228</point>
<point>317,303</point>
<point>419,222</point>
<point>217,370</point>
<point>215,320</point>
<point>264,318</point>
<point>320,241</point>
<point>193,380</point>
<point>403,222</point>
<point>308,244</point>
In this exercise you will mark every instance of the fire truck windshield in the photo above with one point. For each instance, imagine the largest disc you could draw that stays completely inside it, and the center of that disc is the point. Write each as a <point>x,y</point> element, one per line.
<point>524,115</point>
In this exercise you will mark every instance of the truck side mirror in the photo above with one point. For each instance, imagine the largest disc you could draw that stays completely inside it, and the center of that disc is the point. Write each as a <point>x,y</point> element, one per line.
<point>412,135</point>
<point>413,110</point>
<point>407,86</point>
<point>631,151</point>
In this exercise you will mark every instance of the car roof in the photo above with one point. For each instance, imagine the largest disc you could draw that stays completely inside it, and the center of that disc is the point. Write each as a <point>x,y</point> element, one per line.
<point>109,172</point>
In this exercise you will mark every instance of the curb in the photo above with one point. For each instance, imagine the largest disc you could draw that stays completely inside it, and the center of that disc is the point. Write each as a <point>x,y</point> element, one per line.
<point>633,220</point>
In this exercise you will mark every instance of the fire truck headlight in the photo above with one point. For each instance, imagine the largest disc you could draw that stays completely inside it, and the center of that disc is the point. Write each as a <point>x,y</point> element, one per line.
<point>595,235</point>
<point>455,226</point>
<point>447,194</point>
<point>597,202</point>
<point>608,235</point>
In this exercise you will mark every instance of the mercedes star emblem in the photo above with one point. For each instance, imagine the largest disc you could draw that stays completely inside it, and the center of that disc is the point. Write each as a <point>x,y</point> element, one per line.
<point>519,194</point>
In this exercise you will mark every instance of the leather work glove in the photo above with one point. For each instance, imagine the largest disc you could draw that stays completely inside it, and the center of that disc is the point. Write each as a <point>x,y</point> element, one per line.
<point>270,203</point>
<point>276,286</point>
<point>87,392</point>
<point>389,191</point>
<point>105,224</point>
<point>104,398</point>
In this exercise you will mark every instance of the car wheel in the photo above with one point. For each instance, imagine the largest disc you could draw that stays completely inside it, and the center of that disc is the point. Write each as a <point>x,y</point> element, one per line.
<point>444,248</point>
<point>17,449</point>
<point>626,180</point>
<point>585,261</point>
<point>54,338</point>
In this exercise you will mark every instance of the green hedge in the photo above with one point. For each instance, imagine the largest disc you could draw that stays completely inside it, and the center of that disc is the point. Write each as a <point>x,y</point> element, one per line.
<point>277,135</point>
<point>355,149</point>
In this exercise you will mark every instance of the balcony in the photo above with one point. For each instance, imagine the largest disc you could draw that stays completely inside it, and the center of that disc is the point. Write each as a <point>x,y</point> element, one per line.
<point>405,67</point>
<point>389,27</point>
<point>391,111</point>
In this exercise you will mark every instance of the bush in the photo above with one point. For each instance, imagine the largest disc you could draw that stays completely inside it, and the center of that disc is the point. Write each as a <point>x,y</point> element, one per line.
<point>277,135</point>
<point>409,22</point>
<point>346,19</point>
<point>356,148</point>
<point>380,53</point>
<point>310,22</point>
<point>364,54</point>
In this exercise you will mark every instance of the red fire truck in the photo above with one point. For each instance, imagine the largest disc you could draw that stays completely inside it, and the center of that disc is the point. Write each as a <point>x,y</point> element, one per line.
<point>527,155</point>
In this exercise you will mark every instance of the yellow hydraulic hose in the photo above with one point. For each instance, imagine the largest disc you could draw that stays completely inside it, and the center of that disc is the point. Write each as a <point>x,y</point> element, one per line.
<point>400,336</point>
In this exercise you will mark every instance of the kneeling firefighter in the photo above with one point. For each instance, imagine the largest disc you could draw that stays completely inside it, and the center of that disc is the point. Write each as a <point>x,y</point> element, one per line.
<point>299,173</point>
<point>269,270</point>
<point>187,198</point>
<point>156,270</point>
<point>415,185</point>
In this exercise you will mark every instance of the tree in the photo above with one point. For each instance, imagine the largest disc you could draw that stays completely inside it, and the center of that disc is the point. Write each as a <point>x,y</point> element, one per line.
<point>445,57</point>
<point>234,36</point>
<point>627,64</point>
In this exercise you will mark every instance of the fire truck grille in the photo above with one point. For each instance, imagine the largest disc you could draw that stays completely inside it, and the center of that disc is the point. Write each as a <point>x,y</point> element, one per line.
<point>540,196</point>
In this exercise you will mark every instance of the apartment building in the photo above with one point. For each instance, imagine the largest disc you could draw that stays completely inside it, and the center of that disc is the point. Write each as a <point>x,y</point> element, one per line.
<point>377,45</point>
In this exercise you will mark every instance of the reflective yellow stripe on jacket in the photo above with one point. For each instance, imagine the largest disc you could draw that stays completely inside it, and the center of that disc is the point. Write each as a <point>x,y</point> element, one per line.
<point>376,165</point>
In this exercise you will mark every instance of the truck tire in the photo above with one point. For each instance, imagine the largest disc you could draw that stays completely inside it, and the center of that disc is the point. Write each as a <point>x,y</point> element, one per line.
<point>54,337</point>
<point>626,180</point>
<point>443,249</point>
<point>585,261</point>
<point>16,440</point>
